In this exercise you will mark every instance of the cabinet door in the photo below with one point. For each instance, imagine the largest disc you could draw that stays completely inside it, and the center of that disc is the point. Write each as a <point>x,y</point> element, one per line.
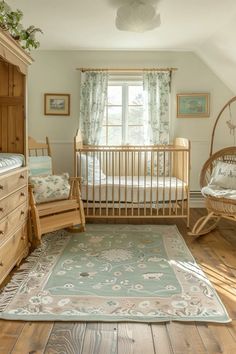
<point>12,128</point>
<point>18,83</point>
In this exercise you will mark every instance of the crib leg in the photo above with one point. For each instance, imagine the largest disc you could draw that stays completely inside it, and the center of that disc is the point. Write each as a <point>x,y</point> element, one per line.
<point>199,229</point>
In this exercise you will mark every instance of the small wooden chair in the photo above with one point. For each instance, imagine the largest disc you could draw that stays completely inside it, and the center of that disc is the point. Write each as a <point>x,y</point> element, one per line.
<point>56,215</point>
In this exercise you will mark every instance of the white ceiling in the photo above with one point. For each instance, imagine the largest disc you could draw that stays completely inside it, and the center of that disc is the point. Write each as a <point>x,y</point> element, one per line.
<point>206,27</point>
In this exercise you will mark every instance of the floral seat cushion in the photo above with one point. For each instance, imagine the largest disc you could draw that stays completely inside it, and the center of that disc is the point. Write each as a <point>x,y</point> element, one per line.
<point>50,188</point>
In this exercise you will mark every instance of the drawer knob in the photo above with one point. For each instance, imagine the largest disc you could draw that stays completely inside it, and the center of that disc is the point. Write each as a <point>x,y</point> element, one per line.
<point>1,187</point>
<point>22,212</point>
<point>22,176</point>
<point>23,237</point>
<point>1,209</point>
<point>2,232</point>
<point>1,264</point>
<point>22,194</point>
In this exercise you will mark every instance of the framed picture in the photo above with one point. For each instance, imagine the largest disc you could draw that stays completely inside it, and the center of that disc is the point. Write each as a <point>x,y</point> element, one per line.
<point>190,105</point>
<point>56,104</point>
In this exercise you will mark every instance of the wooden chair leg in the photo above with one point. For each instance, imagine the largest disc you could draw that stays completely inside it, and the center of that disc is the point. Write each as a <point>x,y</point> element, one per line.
<point>200,228</point>
<point>75,191</point>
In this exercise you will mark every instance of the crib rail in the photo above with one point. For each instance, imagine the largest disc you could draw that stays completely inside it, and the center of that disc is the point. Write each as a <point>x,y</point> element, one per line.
<point>134,181</point>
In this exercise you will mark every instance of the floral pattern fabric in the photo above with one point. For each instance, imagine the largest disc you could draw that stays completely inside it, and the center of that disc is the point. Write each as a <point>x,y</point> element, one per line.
<point>112,273</point>
<point>156,93</point>
<point>50,188</point>
<point>92,105</point>
<point>156,89</point>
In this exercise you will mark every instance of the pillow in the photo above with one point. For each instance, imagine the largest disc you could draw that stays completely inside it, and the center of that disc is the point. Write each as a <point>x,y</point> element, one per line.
<point>224,175</point>
<point>40,165</point>
<point>50,188</point>
<point>93,168</point>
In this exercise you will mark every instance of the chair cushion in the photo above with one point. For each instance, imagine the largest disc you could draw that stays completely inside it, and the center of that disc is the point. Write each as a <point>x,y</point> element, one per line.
<point>50,188</point>
<point>218,192</point>
<point>224,175</point>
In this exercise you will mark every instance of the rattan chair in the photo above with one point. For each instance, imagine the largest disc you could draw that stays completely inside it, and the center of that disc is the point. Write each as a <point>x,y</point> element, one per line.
<point>217,207</point>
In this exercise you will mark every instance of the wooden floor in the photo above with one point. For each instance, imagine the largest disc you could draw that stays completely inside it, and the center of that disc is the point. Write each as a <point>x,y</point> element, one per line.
<point>215,253</point>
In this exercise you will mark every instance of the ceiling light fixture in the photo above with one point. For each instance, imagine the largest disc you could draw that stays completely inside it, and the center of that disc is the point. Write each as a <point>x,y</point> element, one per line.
<point>137,16</point>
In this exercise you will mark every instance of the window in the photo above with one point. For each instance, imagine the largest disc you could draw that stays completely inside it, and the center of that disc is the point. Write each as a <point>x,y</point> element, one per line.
<point>124,115</point>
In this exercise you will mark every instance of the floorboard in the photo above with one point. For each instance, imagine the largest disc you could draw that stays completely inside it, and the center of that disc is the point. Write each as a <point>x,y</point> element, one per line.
<point>215,253</point>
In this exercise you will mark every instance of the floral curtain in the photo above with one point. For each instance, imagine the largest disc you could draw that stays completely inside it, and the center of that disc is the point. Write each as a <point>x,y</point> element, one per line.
<point>156,87</point>
<point>92,105</point>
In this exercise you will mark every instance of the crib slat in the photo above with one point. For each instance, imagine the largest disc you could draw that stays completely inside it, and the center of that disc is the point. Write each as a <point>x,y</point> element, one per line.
<point>145,183</point>
<point>93,174</point>
<point>151,174</point>
<point>106,152</point>
<point>138,183</point>
<point>183,165</point>
<point>164,183</point>
<point>157,190</point>
<point>86,159</point>
<point>100,182</point>
<point>113,187</point>
<point>126,169</point>
<point>132,194</point>
<point>119,181</point>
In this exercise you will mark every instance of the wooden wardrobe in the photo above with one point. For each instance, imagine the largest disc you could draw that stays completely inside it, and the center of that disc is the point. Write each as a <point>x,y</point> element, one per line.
<point>14,243</point>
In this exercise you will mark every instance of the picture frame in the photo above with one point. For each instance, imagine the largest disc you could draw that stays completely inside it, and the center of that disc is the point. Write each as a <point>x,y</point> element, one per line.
<point>56,104</point>
<point>193,105</point>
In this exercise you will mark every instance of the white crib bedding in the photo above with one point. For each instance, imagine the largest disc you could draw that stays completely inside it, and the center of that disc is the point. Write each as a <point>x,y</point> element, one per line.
<point>9,161</point>
<point>135,190</point>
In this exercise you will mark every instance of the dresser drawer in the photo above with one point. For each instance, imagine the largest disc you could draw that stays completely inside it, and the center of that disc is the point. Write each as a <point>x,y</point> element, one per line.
<point>12,251</point>
<point>8,204</point>
<point>12,181</point>
<point>12,221</point>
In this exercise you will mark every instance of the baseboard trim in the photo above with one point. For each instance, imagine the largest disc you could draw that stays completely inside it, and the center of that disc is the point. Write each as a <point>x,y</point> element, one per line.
<point>196,200</point>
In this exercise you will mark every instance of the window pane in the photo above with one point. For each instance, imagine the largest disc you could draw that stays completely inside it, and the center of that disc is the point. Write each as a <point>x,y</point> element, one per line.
<point>114,95</point>
<point>103,136</point>
<point>135,95</point>
<point>114,135</point>
<point>135,135</point>
<point>135,115</point>
<point>114,115</point>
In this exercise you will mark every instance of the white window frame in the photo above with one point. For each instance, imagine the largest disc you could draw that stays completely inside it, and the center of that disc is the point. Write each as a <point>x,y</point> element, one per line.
<point>124,120</point>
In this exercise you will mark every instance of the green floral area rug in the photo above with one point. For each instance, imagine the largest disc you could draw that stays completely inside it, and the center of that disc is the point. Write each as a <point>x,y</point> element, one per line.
<point>142,273</point>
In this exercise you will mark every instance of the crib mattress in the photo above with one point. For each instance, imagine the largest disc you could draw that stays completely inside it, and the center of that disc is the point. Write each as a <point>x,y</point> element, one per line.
<point>135,190</point>
<point>10,161</point>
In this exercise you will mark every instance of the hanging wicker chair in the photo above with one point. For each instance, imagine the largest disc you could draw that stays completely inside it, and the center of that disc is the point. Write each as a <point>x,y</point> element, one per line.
<point>217,207</point>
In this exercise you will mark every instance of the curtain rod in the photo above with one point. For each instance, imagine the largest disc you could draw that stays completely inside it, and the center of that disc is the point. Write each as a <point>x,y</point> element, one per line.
<point>127,70</point>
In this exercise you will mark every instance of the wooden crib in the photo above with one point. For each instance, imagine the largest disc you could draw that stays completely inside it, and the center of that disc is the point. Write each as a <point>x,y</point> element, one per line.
<point>134,181</point>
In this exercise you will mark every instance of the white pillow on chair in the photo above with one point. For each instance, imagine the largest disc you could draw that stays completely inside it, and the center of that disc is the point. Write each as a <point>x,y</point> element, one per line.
<point>224,175</point>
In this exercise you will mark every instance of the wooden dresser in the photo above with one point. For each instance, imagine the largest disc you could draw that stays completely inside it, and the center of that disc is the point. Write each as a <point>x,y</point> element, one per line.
<point>14,244</point>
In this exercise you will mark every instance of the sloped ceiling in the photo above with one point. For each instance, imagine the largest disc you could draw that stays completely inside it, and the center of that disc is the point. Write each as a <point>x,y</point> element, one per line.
<point>206,27</point>
<point>219,53</point>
